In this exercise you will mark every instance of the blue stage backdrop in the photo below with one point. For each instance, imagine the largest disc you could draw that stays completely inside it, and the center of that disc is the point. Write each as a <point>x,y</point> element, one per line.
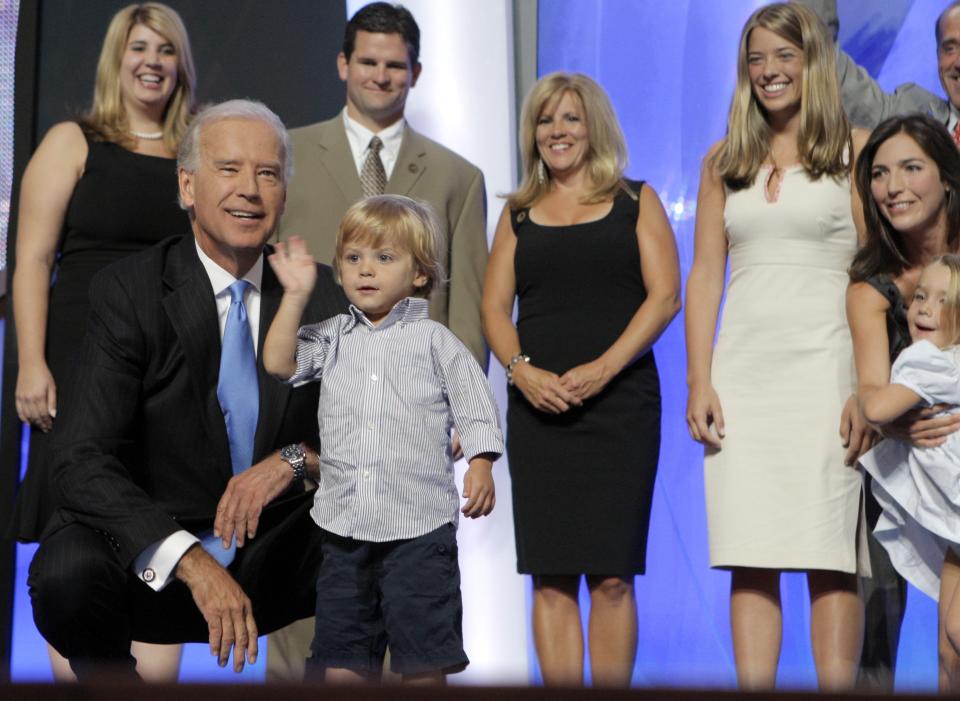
<point>669,68</point>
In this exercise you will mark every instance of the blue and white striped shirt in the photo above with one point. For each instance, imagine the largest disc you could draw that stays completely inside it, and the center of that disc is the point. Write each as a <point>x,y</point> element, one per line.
<point>389,396</point>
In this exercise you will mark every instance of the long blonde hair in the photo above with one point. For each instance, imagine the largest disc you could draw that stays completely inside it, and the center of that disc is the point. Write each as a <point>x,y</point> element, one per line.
<point>824,143</point>
<point>607,151</point>
<point>107,118</point>
<point>950,313</point>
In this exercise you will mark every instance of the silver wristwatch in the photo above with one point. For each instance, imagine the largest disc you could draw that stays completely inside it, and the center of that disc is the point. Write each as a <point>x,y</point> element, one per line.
<point>296,456</point>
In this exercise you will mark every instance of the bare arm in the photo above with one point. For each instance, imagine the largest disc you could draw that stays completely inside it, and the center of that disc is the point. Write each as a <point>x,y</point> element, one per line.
<point>297,272</point>
<point>885,404</point>
<point>478,487</point>
<point>46,189</point>
<point>855,433</point>
<point>704,291</point>
<point>866,315</point>
<point>540,387</point>
<point>660,269</point>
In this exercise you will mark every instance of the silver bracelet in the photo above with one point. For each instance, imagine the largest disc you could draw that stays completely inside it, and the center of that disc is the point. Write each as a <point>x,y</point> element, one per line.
<point>519,358</point>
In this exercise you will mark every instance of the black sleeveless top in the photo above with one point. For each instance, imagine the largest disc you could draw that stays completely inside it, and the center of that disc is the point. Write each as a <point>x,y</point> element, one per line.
<point>898,332</point>
<point>583,480</point>
<point>123,203</point>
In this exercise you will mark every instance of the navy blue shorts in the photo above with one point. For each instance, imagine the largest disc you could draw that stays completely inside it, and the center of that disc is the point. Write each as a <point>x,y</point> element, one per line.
<point>405,593</point>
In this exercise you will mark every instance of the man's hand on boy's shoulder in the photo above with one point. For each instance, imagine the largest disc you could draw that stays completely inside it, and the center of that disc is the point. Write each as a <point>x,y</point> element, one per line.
<point>478,488</point>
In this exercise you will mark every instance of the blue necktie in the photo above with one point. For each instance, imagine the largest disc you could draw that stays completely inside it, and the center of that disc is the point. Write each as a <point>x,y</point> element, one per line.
<point>239,396</point>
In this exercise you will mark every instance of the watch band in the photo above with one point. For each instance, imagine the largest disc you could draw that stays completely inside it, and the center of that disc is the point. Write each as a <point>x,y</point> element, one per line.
<point>295,456</point>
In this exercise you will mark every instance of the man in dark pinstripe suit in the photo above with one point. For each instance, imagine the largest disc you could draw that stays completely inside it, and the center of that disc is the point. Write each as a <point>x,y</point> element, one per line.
<point>142,462</point>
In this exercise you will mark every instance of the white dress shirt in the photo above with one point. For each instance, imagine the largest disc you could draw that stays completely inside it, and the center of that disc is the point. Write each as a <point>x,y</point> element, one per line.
<point>156,563</point>
<point>358,136</point>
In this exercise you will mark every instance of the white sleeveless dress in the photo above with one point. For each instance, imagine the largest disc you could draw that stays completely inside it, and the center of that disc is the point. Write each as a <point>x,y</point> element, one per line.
<point>778,493</point>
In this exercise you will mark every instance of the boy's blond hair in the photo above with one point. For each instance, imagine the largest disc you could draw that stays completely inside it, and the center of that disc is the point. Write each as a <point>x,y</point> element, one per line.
<point>950,314</point>
<point>401,221</point>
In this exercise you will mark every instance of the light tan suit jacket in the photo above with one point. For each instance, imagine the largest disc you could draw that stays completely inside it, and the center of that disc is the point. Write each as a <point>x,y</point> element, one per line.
<point>326,183</point>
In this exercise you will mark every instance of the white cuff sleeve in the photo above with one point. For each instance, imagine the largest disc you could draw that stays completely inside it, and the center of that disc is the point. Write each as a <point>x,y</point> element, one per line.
<point>154,566</point>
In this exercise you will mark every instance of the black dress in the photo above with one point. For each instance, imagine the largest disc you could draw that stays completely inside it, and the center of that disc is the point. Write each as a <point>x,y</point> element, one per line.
<point>885,592</point>
<point>123,203</point>
<point>582,480</point>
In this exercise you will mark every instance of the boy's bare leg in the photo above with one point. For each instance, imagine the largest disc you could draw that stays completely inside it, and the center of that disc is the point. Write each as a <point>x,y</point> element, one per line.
<point>426,679</point>
<point>344,677</point>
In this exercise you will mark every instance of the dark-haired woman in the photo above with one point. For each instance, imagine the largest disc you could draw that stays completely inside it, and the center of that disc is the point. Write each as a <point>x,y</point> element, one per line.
<point>908,175</point>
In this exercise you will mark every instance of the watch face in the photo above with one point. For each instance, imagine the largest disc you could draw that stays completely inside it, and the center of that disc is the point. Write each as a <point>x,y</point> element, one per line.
<point>292,453</point>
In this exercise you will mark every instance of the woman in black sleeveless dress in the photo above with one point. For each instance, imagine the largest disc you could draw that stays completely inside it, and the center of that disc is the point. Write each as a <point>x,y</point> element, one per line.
<point>592,260</point>
<point>95,191</point>
<point>907,160</point>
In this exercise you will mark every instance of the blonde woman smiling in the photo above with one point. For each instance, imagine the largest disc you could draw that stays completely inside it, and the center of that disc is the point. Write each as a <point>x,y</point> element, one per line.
<point>776,200</point>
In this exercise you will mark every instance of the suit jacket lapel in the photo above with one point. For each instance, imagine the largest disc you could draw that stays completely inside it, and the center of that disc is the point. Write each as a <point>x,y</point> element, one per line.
<point>192,312</point>
<point>337,159</point>
<point>273,394</point>
<point>411,163</point>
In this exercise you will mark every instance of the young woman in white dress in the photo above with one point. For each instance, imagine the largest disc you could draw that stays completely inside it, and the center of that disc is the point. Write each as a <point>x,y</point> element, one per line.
<point>776,200</point>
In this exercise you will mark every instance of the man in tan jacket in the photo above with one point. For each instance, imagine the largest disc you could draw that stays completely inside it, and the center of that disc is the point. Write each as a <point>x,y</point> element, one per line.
<point>379,64</point>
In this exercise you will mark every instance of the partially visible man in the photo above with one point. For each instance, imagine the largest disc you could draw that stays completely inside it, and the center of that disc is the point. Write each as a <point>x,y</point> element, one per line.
<point>867,104</point>
<point>179,519</point>
<point>369,148</point>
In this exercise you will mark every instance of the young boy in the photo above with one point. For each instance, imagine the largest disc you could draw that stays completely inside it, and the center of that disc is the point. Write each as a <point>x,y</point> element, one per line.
<point>393,381</point>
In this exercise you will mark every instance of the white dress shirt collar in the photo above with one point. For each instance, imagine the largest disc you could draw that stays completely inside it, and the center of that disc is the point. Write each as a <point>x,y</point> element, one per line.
<point>953,119</point>
<point>220,281</point>
<point>358,136</point>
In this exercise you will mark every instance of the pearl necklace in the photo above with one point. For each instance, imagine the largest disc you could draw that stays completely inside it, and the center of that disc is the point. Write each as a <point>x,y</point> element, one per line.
<point>148,136</point>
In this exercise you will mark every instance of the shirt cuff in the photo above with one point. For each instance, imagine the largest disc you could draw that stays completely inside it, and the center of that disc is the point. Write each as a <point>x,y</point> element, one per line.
<point>155,564</point>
